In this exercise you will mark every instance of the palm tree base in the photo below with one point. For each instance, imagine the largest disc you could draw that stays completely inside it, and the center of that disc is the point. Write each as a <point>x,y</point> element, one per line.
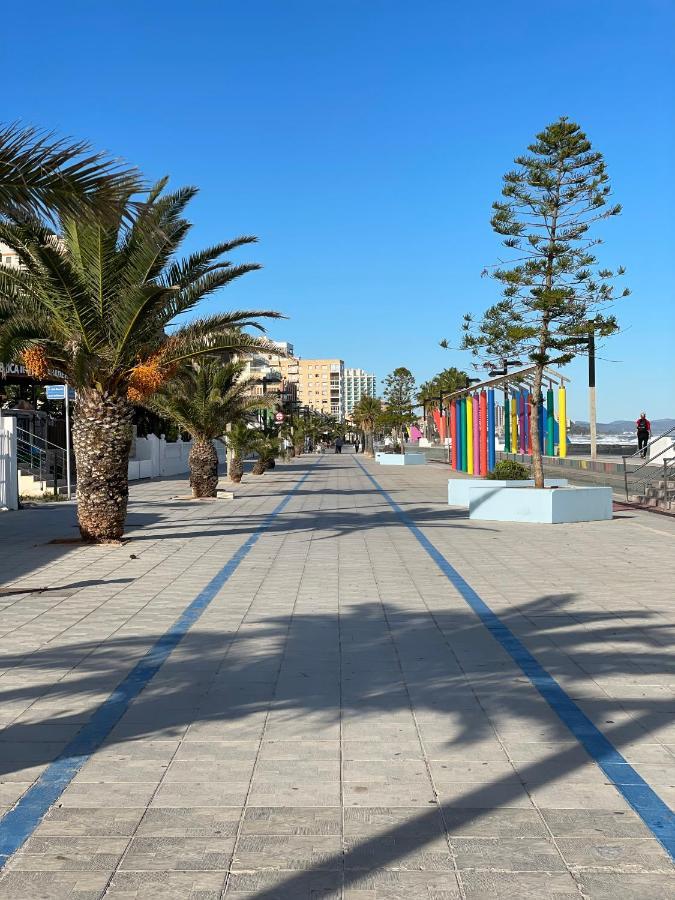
<point>203,462</point>
<point>236,469</point>
<point>102,440</point>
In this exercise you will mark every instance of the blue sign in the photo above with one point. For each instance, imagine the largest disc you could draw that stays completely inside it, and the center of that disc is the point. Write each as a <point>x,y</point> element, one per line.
<point>58,392</point>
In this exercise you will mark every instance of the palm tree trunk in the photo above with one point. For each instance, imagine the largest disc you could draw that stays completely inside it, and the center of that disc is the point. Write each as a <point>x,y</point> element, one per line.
<point>368,443</point>
<point>203,462</point>
<point>236,468</point>
<point>102,435</point>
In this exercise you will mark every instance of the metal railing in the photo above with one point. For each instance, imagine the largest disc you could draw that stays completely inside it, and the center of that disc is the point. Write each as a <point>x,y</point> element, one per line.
<point>651,478</point>
<point>37,456</point>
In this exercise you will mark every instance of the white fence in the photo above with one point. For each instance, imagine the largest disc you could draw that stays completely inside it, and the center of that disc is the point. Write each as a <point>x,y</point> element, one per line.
<point>9,475</point>
<point>155,456</point>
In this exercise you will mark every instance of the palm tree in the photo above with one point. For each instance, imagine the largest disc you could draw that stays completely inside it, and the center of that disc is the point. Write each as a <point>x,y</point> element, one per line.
<point>240,441</point>
<point>40,174</point>
<point>202,398</point>
<point>95,303</point>
<point>267,448</point>
<point>365,415</point>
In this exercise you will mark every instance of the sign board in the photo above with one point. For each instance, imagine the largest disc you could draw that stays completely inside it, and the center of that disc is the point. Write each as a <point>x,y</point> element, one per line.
<point>279,417</point>
<point>58,392</point>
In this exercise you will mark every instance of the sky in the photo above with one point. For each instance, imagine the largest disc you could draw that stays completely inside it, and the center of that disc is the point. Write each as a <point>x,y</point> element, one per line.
<point>364,141</point>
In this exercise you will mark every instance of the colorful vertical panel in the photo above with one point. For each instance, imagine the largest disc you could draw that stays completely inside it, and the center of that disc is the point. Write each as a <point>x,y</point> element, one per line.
<point>491,429</point>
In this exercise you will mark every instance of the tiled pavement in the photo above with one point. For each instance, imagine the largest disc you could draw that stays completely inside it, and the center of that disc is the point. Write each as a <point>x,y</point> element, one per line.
<point>338,723</point>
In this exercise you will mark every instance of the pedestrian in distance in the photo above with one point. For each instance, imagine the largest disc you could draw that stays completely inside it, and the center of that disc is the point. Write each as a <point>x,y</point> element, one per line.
<point>644,430</point>
<point>338,444</point>
<point>356,446</point>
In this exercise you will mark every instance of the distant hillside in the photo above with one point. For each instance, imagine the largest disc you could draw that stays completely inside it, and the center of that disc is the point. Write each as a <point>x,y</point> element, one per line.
<point>621,425</point>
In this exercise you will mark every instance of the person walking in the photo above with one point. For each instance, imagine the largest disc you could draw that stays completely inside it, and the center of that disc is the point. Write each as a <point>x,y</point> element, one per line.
<point>338,444</point>
<point>644,430</point>
<point>356,445</point>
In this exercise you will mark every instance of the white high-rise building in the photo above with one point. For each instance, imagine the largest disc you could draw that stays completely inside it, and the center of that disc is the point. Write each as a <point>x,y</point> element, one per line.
<point>357,383</point>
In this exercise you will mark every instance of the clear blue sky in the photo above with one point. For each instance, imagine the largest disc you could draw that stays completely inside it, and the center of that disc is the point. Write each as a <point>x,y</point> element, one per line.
<point>363,141</point>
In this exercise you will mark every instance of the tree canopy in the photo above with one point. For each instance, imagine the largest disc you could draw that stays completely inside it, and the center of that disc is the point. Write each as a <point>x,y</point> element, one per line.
<point>445,382</point>
<point>554,290</point>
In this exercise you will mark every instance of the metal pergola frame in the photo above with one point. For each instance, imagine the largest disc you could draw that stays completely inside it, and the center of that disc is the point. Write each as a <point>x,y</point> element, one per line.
<point>523,376</point>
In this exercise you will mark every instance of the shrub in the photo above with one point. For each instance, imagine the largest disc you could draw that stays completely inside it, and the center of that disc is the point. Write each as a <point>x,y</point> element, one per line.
<point>509,470</point>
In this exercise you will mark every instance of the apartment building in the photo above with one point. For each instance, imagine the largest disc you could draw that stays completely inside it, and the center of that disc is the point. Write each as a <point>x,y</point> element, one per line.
<point>357,383</point>
<point>266,369</point>
<point>8,257</point>
<point>320,383</point>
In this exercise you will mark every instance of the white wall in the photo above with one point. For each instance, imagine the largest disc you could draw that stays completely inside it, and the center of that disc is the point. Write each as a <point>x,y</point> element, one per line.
<point>9,476</point>
<point>155,457</point>
<point>662,448</point>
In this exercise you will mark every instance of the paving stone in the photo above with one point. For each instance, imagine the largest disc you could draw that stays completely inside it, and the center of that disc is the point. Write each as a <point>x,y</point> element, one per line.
<point>285,885</point>
<point>611,853</point>
<point>189,822</point>
<point>592,823</point>
<point>507,854</point>
<point>90,822</point>
<point>116,770</point>
<point>292,820</point>
<point>193,793</point>
<point>610,886</point>
<point>508,886</point>
<point>402,885</point>
<point>274,851</point>
<point>70,854</point>
<point>209,770</point>
<point>167,885</point>
<point>104,795</point>
<point>217,751</point>
<point>53,885</point>
<point>493,822</point>
<point>179,853</point>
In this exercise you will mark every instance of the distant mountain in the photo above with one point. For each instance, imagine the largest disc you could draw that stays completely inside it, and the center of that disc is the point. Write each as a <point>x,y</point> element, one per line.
<point>621,425</point>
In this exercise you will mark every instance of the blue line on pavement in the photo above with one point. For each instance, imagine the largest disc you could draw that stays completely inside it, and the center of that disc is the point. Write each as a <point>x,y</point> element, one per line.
<point>20,822</point>
<point>656,815</point>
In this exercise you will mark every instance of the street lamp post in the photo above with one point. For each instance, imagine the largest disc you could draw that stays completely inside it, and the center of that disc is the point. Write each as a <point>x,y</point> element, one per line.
<point>589,342</point>
<point>592,411</point>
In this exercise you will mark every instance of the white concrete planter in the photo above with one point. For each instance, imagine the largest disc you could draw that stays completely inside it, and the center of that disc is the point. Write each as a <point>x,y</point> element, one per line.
<point>401,459</point>
<point>564,504</point>
<point>458,488</point>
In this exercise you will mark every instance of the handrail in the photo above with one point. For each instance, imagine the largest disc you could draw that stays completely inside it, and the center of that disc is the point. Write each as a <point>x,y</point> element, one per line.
<point>35,438</point>
<point>653,440</point>
<point>647,462</point>
<point>653,473</point>
<point>41,454</point>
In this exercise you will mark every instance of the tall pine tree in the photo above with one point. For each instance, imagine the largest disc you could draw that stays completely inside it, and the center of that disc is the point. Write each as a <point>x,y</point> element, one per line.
<point>554,291</point>
<point>399,394</point>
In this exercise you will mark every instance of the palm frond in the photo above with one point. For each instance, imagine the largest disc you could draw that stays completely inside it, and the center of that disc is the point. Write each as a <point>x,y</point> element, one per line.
<point>203,398</point>
<point>184,272</point>
<point>187,298</point>
<point>111,289</point>
<point>45,175</point>
<point>203,337</point>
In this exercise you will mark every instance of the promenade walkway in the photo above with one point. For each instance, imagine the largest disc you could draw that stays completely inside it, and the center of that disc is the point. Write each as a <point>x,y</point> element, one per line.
<point>299,694</point>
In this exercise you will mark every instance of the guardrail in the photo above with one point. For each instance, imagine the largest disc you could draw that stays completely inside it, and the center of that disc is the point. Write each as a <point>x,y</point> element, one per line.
<point>42,458</point>
<point>649,472</point>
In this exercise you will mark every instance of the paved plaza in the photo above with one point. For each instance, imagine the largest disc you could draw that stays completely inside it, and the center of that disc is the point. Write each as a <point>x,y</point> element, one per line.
<point>288,696</point>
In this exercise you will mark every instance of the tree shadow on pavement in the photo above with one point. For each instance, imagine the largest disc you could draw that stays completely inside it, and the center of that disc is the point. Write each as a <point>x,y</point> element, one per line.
<point>370,663</point>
